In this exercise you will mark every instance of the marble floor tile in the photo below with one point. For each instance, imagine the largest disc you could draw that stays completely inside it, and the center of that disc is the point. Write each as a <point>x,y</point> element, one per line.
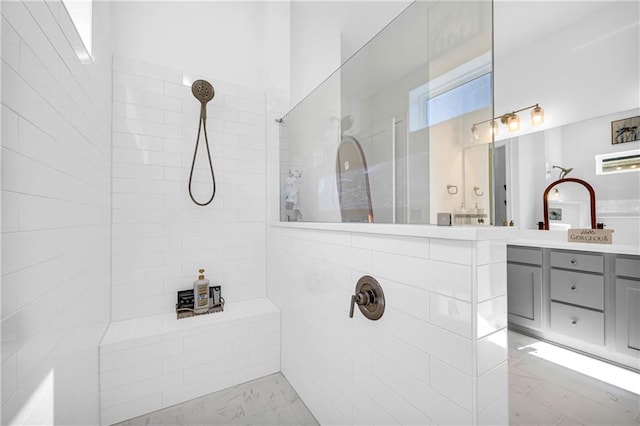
<point>525,411</point>
<point>570,404</point>
<point>522,382</point>
<point>269,400</point>
<point>542,392</point>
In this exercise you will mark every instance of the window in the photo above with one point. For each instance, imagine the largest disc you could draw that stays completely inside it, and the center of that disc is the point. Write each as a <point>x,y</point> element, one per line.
<point>462,90</point>
<point>471,96</point>
<point>80,12</point>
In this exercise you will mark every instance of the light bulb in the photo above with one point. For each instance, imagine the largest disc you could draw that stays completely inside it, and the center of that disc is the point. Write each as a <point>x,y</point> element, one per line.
<point>493,129</point>
<point>556,194</point>
<point>537,115</point>
<point>513,122</point>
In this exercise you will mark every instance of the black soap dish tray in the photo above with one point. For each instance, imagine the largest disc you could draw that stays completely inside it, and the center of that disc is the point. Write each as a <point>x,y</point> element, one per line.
<point>184,307</point>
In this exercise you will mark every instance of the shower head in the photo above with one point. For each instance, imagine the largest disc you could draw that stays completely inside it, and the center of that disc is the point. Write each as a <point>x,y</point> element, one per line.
<point>202,90</point>
<point>563,171</point>
<point>346,123</point>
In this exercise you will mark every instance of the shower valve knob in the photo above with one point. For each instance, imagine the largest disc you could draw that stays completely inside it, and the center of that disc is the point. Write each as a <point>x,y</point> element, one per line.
<point>362,298</point>
<point>369,298</point>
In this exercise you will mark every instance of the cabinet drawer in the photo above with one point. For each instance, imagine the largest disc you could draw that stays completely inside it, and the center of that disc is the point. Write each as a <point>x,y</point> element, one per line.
<point>578,288</point>
<point>628,267</point>
<point>529,255</point>
<point>579,323</point>
<point>577,261</point>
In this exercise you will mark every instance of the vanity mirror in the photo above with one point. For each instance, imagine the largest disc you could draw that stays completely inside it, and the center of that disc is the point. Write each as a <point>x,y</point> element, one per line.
<point>554,69</point>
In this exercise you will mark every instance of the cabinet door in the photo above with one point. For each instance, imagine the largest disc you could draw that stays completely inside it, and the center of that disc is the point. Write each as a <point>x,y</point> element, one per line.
<point>524,286</point>
<point>628,315</point>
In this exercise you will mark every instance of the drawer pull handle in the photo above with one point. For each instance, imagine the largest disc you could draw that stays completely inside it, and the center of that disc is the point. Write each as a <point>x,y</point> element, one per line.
<point>574,323</point>
<point>573,261</point>
<point>574,288</point>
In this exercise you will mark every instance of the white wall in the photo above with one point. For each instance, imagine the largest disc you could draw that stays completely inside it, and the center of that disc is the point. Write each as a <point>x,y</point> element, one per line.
<point>56,206</point>
<point>325,34</point>
<point>438,354</point>
<point>587,66</point>
<point>160,237</point>
<point>245,43</point>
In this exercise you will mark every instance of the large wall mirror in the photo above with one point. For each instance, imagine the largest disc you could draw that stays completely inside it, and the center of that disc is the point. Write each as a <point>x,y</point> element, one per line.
<point>580,61</point>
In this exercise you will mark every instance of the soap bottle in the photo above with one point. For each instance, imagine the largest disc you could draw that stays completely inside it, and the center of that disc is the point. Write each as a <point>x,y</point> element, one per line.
<point>201,294</point>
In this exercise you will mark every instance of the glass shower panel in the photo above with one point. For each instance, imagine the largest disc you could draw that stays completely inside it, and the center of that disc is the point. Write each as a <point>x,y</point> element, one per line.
<point>383,139</point>
<point>309,142</point>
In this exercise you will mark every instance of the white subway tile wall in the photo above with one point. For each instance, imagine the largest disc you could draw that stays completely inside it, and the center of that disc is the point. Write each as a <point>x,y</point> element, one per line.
<point>160,237</point>
<point>426,361</point>
<point>56,213</point>
<point>154,362</point>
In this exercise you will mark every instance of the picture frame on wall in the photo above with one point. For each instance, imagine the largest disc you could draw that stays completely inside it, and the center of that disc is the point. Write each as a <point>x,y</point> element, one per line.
<point>555,214</point>
<point>625,130</point>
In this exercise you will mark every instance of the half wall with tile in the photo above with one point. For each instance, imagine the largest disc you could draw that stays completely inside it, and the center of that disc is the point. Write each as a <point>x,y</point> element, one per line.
<point>439,353</point>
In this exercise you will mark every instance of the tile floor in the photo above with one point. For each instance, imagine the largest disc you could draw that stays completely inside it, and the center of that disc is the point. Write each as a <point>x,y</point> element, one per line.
<point>266,401</point>
<point>544,393</point>
<point>540,393</point>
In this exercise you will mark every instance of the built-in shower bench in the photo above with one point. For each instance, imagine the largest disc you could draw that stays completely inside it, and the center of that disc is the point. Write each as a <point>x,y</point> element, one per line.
<point>154,362</point>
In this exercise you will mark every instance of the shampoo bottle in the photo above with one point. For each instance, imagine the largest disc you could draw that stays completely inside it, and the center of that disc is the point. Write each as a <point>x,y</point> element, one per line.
<point>201,294</point>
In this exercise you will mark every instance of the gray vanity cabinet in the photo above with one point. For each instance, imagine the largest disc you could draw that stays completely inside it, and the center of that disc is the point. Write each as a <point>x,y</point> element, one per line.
<point>587,301</point>
<point>627,272</point>
<point>524,280</point>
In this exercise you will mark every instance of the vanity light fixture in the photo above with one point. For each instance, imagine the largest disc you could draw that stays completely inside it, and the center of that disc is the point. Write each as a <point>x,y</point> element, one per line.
<point>537,115</point>
<point>556,194</point>
<point>511,120</point>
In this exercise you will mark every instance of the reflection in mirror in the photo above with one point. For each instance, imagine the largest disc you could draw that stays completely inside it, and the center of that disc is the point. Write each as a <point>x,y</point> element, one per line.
<point>352,178</point>
<point>551,61</point>
<point>476,185</point>
<point>409,97</point>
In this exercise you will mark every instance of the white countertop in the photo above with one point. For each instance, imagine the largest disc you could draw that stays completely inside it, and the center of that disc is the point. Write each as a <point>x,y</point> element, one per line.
<point>514,236</point>
<point>558,239</point>
<point>467,232</point>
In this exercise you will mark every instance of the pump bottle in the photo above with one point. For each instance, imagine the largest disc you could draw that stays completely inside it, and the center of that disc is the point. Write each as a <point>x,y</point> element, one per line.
<point>201,294</point>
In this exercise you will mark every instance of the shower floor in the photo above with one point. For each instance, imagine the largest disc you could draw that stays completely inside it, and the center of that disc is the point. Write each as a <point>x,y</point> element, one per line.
<point>269,400</point>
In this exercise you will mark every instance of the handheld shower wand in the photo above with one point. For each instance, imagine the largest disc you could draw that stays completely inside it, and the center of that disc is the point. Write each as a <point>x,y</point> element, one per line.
<point>203,91</point>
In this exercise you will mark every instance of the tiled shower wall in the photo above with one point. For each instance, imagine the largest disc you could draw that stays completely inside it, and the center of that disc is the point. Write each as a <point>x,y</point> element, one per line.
<point>56,213</point>
<point>437,356</point>
<point>160,237</point>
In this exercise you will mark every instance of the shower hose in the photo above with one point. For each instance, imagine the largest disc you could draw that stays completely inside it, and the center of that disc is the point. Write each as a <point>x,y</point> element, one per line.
<point>202,125</point>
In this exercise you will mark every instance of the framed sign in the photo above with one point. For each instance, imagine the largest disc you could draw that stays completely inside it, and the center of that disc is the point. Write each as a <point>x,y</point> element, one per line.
<point>625,130</point>
<point>590,236</point>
